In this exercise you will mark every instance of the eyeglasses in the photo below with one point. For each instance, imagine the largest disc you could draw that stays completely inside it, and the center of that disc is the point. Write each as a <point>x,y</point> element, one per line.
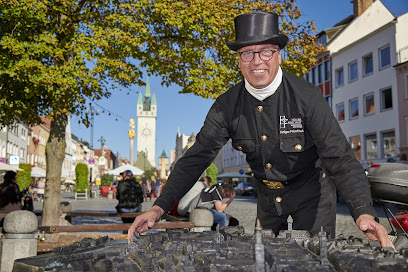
<point>264,54</point>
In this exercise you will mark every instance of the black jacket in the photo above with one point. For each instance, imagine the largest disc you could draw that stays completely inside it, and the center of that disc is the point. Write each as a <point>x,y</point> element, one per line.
<point>129,193</point>
<point>282,137</point>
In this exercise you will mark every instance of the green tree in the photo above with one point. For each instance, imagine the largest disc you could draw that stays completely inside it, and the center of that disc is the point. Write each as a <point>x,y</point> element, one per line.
<point>24,177</point>
<point>212,172</point>
<point>57,55</point>
<point>106,180</point>
<point>81,174</point>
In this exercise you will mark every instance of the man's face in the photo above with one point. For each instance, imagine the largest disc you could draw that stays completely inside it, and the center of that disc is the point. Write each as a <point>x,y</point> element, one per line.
<point>225,193</point>
<point>207,182</point>
<point>260,73</point>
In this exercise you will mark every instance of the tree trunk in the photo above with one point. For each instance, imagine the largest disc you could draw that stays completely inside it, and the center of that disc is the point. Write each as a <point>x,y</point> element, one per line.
<point>55,154</point>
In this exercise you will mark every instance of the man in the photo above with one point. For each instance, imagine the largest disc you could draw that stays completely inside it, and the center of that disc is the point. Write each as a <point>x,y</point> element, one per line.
<point>10,195</point>
<point>190,200</point>
<point>215,195</point>
<point>144,185</point>
<point>284,126</point>
<point>130,195</point>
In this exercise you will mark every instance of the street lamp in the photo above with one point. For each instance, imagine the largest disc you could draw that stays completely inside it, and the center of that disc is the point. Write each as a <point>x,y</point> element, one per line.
<point>92,112</point>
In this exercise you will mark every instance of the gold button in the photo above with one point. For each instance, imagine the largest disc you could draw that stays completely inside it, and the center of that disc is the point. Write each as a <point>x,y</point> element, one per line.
<point>239,148</point>
<point>264,138</point>
<point>268,165</point>
<point>259,108</point>
<point>279,199</point>
<point>298,147</point>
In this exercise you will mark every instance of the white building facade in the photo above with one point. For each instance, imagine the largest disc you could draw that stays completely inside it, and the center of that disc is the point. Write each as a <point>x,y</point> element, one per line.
<point>17,141</point>
<point>364,83</point>
<point>3,142</point>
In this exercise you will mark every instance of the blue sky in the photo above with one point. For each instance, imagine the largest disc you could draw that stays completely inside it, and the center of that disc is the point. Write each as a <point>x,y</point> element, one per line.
<point>187,112</point>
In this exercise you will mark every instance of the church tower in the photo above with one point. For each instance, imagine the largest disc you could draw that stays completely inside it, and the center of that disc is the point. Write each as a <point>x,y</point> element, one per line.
<point>146,125</point>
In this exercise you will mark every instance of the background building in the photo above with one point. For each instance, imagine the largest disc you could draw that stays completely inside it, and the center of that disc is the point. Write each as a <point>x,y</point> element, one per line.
<point>365,90</point>
<point>17,141</point>
<point>146,125</point>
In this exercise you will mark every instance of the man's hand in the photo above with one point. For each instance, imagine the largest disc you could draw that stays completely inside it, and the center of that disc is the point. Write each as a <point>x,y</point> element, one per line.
<point>373,230</point>
<point>232,196</point>
<point>145,221</point>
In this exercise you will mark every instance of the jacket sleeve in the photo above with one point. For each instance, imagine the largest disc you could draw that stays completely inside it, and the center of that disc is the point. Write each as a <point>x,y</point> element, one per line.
<point>336,155</point>
<point>212,136</point>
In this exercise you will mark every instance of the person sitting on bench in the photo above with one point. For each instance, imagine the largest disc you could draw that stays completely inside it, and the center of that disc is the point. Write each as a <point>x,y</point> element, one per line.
<point>130,195</point>
<point>190,200</point>
<point>213,196</point>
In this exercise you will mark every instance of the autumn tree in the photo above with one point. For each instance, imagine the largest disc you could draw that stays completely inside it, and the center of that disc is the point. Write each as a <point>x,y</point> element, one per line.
<point>212,172</point>
<point>58,56</point>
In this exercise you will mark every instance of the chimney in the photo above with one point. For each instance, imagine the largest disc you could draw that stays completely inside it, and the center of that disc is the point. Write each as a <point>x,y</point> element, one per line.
<point>359,6</point>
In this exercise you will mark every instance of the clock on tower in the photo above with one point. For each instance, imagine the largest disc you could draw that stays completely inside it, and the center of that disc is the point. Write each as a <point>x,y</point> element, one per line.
<point>146,124</point>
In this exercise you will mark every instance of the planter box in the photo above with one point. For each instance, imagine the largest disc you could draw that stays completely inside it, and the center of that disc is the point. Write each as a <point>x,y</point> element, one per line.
<point>105,190</point>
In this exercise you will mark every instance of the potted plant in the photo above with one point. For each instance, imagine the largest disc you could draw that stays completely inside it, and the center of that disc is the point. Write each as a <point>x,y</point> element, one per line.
<point>106,181</point>
<point>81,173</point>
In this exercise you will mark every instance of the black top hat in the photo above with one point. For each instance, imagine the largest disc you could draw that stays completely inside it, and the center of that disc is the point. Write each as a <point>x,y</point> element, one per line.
<point>257,28</point>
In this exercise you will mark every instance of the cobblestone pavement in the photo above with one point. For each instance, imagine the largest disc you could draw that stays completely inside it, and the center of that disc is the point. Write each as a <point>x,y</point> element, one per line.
<point>243,208</point>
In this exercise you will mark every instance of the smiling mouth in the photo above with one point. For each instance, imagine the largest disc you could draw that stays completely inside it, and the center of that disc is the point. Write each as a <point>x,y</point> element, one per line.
<point>258,71</point>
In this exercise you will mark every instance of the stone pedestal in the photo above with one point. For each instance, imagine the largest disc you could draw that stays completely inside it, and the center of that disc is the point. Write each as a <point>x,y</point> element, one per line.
<point>20,238</point>
<point>110,195</point>
<point>203,220</point>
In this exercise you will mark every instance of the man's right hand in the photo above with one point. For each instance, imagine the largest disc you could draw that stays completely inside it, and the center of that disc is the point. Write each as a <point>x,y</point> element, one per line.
<point>145,221</point>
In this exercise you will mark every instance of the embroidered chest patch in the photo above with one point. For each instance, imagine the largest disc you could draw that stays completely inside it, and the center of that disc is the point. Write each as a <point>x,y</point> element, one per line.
<point>289,126</point>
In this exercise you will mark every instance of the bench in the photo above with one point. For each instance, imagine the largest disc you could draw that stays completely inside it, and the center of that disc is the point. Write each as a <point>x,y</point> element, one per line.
<point>104,214</point>
<point>81,195</point>
<point>111,227</point>
<point>176,218</point>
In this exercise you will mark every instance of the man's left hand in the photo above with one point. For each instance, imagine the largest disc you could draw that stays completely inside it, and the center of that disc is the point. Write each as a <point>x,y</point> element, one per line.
<point>373,230</point>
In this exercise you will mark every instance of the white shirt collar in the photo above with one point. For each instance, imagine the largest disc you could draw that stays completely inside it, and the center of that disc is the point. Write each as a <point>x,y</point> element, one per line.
<point>269,90</point>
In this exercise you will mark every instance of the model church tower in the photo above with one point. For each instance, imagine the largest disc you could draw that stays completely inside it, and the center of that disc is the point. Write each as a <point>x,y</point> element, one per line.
<point>146,125</point>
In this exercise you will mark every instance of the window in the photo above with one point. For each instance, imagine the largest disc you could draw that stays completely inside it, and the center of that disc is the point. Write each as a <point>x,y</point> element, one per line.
<point>388,141</point>
<point>353,71</point>
<point>368,65</point>
<point>306,76</point>
<point>320,73</point>
<point>371,146</point>
<point>321,40</point>
<point>314,75</point>
<point>386,99</point>
<point>329,101</point>
<point>339,77</point>
<point>23,134</point>
<point>356,146</point>
<point>340,112</point>
<point>385,57</point>
<point>369,104</point>
<point>354,108</point>
<point>327,70</point>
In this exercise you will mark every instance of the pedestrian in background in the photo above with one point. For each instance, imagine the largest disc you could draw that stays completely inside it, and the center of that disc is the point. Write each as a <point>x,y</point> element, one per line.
<point>158,186</point>
<point>143,180</point>
<point>153,187</point>
<point>10,195</point>
<point>212,197</point>
<point>129,194</point>
<point>192,198</point>
<point>284,126</point>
